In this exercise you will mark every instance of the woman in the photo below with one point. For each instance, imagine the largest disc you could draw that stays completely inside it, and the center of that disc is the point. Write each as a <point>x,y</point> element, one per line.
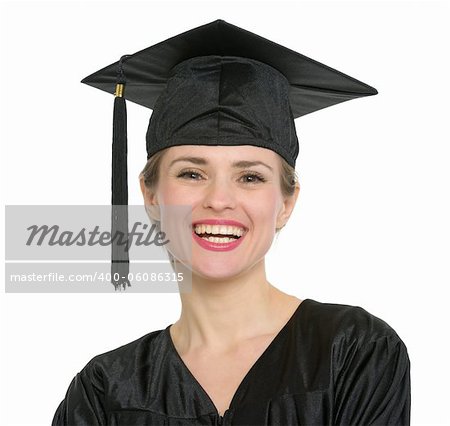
<point>222,140</point>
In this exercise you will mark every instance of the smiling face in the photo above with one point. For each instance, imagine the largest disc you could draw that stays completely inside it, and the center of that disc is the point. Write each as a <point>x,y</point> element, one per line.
<point>238,186</point>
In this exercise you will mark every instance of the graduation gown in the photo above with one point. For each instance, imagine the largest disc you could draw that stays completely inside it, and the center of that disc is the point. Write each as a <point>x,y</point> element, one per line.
<point>329,365</point>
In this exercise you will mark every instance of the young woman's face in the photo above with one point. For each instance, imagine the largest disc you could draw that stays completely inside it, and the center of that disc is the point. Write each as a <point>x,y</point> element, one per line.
<point>240,184</point>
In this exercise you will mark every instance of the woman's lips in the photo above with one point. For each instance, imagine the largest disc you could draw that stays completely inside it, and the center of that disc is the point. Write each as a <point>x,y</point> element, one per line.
<point>215,246</point>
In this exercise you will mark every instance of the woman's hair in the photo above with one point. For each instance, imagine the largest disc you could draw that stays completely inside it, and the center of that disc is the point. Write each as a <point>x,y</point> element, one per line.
<point>150,173</point>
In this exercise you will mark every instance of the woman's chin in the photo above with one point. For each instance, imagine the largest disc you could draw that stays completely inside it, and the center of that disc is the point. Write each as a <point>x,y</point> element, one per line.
<point>215,270</point>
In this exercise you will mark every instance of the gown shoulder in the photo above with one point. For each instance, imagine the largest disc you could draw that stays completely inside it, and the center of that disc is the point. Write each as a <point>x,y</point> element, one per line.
<point>86,400</point>
<point>370,366</point>
<point>346,323</point>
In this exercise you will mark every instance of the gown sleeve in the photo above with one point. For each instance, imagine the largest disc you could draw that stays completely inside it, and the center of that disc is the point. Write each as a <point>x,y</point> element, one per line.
<point>83,404</point>
<point>373,387</point>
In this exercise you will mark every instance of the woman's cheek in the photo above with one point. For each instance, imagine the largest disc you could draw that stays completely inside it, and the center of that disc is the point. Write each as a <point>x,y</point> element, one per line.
<point>266,205</point>
<point>175,195</point>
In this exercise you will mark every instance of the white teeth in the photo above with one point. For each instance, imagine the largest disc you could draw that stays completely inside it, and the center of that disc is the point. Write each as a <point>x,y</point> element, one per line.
<point>218,240</point>
<point>219,229</point>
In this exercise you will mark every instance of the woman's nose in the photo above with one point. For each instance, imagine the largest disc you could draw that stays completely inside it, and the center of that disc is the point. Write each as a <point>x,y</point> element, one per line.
<point>219,195</point>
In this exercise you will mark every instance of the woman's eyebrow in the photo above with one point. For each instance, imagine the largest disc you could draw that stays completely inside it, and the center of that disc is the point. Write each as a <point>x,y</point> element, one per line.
<point>237,164</point>
<point>244,164</point>
<point>196,160</point>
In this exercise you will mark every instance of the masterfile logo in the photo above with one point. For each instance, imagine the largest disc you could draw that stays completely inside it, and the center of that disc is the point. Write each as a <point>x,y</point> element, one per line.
<point>69,249</point>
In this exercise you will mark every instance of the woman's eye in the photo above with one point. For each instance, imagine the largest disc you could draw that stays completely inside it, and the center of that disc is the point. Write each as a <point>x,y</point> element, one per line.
<point>248,177</point>
<point>189,174</point>
<point>253,178</point>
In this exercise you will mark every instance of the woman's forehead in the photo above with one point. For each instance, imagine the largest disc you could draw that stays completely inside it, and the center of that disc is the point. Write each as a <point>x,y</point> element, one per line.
<point>223,152</point>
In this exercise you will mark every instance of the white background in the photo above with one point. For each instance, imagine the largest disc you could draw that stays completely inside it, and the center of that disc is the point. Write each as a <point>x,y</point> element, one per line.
<point>371,226</point>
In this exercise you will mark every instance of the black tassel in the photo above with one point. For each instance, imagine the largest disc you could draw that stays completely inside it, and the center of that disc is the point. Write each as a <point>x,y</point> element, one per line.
<point>119,213</point>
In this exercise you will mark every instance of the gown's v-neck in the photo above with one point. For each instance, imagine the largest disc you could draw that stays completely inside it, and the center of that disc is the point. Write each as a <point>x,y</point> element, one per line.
<point>246,376</point>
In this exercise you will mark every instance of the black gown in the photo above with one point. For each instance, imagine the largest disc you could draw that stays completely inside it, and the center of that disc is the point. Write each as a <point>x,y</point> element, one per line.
<point>329,365</point>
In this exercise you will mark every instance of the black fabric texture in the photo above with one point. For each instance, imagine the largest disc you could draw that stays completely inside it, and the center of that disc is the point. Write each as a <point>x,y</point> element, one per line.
<point>329,365</point>
<point>224,100</point>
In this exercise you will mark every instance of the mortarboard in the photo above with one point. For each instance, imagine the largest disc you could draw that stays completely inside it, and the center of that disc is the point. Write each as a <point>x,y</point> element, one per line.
<point>216,84</point>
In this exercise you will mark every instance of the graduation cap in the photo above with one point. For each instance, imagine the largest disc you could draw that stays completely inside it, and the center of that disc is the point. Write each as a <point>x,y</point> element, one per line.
<point>216,84</point>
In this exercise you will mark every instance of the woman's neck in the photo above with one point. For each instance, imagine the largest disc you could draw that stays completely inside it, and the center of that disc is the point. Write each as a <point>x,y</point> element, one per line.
<point>218,314</point>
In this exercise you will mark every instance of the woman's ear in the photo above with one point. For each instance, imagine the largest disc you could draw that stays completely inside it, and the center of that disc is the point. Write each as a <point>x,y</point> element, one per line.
<point>150,201</point>
<point>288,207</point>
<point>149,195</point>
